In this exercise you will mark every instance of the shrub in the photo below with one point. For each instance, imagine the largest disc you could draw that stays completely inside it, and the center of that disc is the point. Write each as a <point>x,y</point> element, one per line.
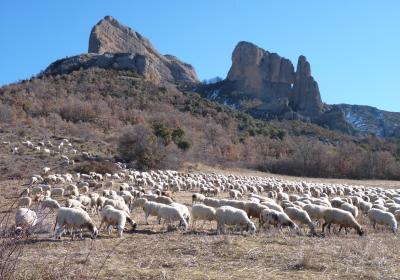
<point>140,146</point>
<point>101,166</point>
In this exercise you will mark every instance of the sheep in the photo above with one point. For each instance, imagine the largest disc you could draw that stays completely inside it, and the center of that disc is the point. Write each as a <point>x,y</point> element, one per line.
<point>151,208</point>
<point>300,216</point>
<point>171,214</point>
<point>315,211</point>
<point>24,202</point>
<point>50,203</point>
<point>235,194</point>
<point>277,218</point>
<point>377,216</point>
<point>350,208</point>
<point>198,197</point>
<point>232,216</point>
<point>25,219</point>
<point>203,212</point>
<point>57,192</point>
<point>73,203</point>
<point>115,217</point>
<point>340,217</point>
<point>212,202</point>
<point>254,209</point>
<point>164,200</point>
<point>73,218</point>
<point>139,202</point>
<point>272,205</point>
<point>117,204</point>
<point>183,209</point>
<point>365,206</point>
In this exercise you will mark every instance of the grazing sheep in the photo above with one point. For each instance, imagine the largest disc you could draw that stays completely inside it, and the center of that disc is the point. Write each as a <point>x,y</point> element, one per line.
<point>198,197</point>
<point>151,208</point>
<point>276,218</point>
<point>272,205</point>
<point>24,202</point>
<point>25,219</point>
<point>74,218</point>
<point>377,216</point>
<point>235,194</point>
<point>57,192</point>
<point>50,203</point>
<point>227,215</point>
<point>300,216</point>
<point>365,206</point>
<point>115,217</point>
<point>315,211</point>
<point>164,200</point>
<point>171,214</point>
<point>73,203</point>
<point>183,209</point>
<point>117,204</point>
<point>213,202</point>
<point>254,209</point>
<point>138,202</point>
<point>350,208</point>
<point>340,217</point>
<point>203,212</point>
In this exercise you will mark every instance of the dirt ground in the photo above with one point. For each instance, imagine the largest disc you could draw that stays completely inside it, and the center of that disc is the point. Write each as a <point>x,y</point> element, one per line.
<point>152,253</point>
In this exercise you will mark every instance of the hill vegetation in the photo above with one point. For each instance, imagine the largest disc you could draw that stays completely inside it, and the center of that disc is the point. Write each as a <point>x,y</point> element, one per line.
<point>154,126</point>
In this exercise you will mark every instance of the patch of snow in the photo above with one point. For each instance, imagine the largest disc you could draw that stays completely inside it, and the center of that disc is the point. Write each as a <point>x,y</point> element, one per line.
<point>214,94</point>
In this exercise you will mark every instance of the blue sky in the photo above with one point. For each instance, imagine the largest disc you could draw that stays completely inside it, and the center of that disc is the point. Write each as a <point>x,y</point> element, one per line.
<point>353,46</point>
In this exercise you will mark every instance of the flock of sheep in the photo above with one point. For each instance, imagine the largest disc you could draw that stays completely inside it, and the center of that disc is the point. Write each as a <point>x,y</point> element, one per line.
<point>265,201</point>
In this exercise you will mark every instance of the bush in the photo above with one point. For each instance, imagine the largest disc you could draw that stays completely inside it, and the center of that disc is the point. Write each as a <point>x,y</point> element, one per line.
<point>140,146</point>
<point>101,167</point>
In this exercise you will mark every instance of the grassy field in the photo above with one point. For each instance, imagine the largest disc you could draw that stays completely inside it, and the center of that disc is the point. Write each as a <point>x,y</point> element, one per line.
<point>151,253</point>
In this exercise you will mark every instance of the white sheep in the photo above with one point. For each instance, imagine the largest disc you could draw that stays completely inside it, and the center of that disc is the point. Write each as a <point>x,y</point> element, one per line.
<point>198,197</point>
<point>171,214</point>
<point>151,208</point>
<point>115,217</point>
<point>340,217</point>
<point>235,194</point>
<point>139,202</point>
<point>25,219</point>
<point>377,216</point>
<point>57,192</point>
<point>203,212</point>
<point>164,200</point>
<point>50,203</point>
<point>117,204</point>
<point>300,216</point>
<point>350,208</point>
<point>73,203</point>
<point>227,215</point>
<point>74,218</point>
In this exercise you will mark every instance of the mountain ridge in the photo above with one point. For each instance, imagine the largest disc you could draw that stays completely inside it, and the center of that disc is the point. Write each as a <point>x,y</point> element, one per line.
<point>259,82</point>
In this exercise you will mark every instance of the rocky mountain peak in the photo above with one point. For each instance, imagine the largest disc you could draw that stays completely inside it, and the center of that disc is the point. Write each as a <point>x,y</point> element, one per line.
<point>113,45</point>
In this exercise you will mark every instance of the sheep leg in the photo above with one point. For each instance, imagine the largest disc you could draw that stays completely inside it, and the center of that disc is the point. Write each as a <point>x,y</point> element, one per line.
<point>323,227</point>
<point>146,216</point>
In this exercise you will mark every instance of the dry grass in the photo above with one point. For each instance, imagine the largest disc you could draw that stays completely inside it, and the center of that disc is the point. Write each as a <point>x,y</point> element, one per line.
<point>149,253</point>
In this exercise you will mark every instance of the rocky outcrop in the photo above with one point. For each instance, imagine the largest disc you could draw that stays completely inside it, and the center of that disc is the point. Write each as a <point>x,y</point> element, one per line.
<point>115,46</point>
<point>268,77</point>
<point>306,98</point>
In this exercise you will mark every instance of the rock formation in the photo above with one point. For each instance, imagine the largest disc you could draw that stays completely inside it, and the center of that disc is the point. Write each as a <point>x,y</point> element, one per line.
<point>271,78</point>
<point>115,46</point>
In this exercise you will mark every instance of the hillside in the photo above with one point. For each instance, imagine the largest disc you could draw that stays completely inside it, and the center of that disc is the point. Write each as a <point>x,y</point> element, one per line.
<point>102,105</point>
